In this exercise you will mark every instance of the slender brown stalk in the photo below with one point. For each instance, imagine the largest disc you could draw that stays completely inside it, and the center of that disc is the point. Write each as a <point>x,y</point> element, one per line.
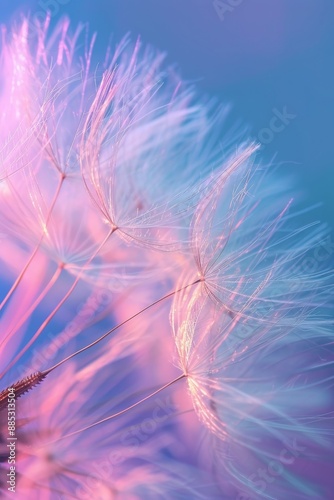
<point>44,373</point>
<point>21,387</point>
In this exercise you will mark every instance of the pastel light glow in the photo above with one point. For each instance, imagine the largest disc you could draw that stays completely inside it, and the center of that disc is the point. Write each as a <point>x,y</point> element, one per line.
<point>153,277</point>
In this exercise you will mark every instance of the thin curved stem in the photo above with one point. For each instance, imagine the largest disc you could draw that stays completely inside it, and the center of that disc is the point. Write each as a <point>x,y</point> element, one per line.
<point>39,299</point>
<point>109,332</point>
<point>58,306</point>
<point>122,412</point>
<point>32,256</point>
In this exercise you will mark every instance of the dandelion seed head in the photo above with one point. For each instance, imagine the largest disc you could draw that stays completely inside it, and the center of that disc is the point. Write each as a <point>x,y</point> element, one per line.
<point>118,196</point>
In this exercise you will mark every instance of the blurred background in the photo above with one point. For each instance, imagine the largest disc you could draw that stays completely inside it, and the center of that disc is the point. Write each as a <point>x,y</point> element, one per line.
<point>272,61</point>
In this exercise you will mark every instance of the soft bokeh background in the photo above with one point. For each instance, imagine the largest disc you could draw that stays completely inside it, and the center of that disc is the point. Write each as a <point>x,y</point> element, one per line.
<point>259,56</point>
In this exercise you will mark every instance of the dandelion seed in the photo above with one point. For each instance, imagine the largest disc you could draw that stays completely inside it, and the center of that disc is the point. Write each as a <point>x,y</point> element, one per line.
<point>121,205</point>
<point>21,387</point>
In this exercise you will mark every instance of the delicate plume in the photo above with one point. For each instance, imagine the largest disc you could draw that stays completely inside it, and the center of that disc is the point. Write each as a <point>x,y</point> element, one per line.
<point>133,234</point>
<point>245,333</point>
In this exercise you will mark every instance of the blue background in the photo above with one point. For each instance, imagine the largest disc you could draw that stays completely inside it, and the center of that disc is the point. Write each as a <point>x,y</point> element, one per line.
<point>260,56</point>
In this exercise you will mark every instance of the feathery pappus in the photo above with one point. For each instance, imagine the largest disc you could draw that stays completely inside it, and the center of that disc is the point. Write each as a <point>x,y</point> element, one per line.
<point>160,335</point>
